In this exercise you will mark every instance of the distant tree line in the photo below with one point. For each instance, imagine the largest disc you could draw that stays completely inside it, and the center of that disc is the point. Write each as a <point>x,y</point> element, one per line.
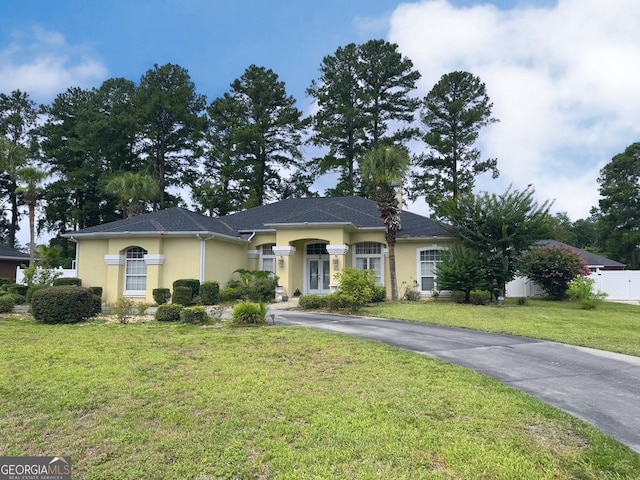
<point>124,148</point>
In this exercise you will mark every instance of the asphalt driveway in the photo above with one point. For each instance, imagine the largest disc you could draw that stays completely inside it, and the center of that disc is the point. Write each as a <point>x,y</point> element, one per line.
<point>601,388</point>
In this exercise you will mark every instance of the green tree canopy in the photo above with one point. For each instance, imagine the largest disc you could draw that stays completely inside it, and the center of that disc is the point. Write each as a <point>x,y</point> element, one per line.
<point>254,143</point>
<point>455,110</point>
<point>363,98</point>
<point>172,122</point>
<point>499,228</point>
<point>18,115</point>
<point>619,219</point>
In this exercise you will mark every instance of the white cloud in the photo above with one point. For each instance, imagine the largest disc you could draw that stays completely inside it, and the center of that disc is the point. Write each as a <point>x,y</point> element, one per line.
<point>43,64</point>
<point>563,80</point>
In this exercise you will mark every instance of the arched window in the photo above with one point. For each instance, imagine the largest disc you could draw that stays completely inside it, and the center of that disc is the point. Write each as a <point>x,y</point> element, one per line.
<point>135,272</point>
<point>267,258</point>
<point>369,256</point>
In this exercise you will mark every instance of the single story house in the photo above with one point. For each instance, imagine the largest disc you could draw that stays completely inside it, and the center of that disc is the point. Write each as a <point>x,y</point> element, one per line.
<point>594,262</point>
<point>10,260</point>
<point>304,241</point>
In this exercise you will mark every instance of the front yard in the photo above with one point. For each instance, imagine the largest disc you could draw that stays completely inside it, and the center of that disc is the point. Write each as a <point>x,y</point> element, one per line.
<point>174,401</point>
<point>612,326</point>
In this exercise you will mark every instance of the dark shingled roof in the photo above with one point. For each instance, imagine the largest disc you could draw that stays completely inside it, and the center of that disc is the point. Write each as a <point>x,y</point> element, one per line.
<point>591,259</point>
<point>8,253</point>
<point>356,211</point>
<point>171,220</point>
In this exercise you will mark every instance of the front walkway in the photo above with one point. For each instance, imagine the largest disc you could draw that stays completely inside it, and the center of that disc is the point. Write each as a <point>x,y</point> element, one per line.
<point>601,388</point>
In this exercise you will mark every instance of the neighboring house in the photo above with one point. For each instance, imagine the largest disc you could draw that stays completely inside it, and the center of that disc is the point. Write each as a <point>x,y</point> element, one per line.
<point>304,241</point>
<point>10,260</point>
<point>593,261</point>
<point>599,265</point>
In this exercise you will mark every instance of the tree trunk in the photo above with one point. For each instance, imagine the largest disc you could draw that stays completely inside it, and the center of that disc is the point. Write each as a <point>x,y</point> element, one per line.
<point>392,270</point>
<point>32,234</point>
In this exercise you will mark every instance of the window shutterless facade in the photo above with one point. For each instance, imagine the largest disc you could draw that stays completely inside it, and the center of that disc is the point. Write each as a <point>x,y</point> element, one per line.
<point>267,258</point>
<point>135,272</point>
<point>428,260</point>
<point>369,256</point>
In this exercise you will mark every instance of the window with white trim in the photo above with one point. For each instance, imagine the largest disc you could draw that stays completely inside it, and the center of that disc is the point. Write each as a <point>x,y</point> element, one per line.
<point>267,258</point>
<point>428,261</point>
<point>368,256</point>
<point>135,271</point>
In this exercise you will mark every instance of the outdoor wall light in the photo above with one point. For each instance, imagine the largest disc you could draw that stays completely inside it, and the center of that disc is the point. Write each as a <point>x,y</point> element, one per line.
<point>336,262</point>
<point>281,261</point>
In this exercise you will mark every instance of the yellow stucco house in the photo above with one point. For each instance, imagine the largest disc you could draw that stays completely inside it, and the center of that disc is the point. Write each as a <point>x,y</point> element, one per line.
<point>304,241</point>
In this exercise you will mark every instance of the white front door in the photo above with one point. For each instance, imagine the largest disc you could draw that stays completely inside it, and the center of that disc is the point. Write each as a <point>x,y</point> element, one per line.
<point>318,275</point>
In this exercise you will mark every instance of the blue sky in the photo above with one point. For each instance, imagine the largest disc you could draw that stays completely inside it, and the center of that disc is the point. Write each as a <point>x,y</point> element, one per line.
<point>562,74</point>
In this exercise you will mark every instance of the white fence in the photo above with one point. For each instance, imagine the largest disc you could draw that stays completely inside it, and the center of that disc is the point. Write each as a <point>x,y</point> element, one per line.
<point>64,272</point>
<point>619,285</point>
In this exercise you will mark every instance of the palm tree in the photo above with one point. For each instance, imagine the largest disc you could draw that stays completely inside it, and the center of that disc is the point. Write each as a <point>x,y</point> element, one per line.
<point>30,180</point>
<point>134,190</point>
<point>382,170</point>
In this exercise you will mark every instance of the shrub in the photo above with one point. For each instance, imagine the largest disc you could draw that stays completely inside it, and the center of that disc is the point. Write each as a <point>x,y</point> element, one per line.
<point>192,283</point>
<point>312,302</point>
<point>5,281</point>
<point>581,289</point>
<point>522,301</point>
<point>97,305</point>
<point>209,293</point>
<point>169,313</point>
<point>123,309</point>
<point>96,291</point>
<point>18,289</point>
<point>479,297</point>
<point>38,275</point>
<point>67,281</point>
<point>458,296</point>
<point>229,294</point>
<point>379,294</point>
<point>6,303</point>
<point>247,313</point>
<point>357,287</point>
<point>17,298</point>
<point>461,270</point>
<point>161,295</point>
<point>254,285</point>
<point>335,301</point>
<point>62,304</point>
<point>182,296</point>
<point>411,292</point>
<point>195,314</point>
<point>32,289</point>
<point>553,268</point>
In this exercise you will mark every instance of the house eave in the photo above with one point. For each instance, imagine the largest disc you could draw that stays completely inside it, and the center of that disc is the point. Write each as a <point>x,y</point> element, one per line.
<point>423,238</point>
<point>322,225</point>
<point>155,234</point>
<point>16,259</point>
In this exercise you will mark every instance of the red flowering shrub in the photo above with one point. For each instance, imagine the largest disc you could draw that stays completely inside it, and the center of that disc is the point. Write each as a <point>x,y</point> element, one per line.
<point>553,268</point>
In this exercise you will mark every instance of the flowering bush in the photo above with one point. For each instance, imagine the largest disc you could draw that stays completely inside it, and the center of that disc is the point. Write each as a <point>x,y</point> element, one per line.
<point>553,268</point>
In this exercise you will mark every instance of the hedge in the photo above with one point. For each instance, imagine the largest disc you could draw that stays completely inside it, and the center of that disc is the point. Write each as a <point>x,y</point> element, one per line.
<point>62,304</point>
<point>60,281</point>
<point>192,283</point>
<point>6,304</point>
<point>169,313</point>
<point>182,296</point>
<point>209,293</point>
<point>196,314</point>
<point>161,295</point>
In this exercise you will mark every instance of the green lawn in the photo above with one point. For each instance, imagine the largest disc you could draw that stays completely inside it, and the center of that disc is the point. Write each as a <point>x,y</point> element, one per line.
<point>171,401</point>
<point>612,326</point>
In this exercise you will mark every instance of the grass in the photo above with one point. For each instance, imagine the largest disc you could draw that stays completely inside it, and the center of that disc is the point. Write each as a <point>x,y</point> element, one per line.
<point>171,401</point>
<point>612,326</point>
